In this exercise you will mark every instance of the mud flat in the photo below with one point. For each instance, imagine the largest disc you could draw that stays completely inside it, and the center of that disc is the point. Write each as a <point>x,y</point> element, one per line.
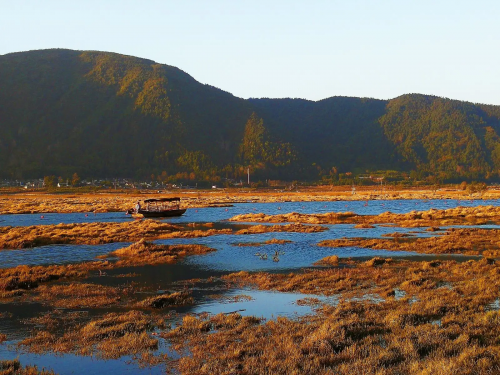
<point>433,217</point>
<point>465,241</point>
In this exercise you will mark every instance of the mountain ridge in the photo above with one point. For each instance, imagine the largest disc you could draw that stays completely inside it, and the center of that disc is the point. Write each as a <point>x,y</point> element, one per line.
<point>106,114</point>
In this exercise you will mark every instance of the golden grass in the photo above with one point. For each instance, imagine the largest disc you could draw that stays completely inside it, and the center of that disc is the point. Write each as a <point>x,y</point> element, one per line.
<point>453,216</point>
<point>111,336</point>
<point>46,203</point>
<point>309,301</point>
<point>57,318</point>
<point>231,299</point>
<point>78,295</point>
<point>102,233</point>
<point>85,233</point>
<point>393,317</point>
<point>29,277</point>
<point>469,241</point>
<point>364,226</point>
<point>14,367</point>
<point>433,318</point>
<point>300,228</point>
<point>275,241</point>
<point>441,326</point>
<point>272,241</point>
<point>166,300</point>
<point>332,260</point>
<point>143,252</point>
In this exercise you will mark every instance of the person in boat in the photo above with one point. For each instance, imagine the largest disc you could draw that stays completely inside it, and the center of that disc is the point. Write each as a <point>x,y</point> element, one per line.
<point>137,207</point>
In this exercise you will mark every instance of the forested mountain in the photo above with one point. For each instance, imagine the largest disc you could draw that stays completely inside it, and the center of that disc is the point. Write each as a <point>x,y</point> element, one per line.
<point>103,114</point>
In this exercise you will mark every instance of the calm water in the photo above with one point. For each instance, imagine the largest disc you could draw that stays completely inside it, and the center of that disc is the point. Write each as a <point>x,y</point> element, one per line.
<point>74,364</point>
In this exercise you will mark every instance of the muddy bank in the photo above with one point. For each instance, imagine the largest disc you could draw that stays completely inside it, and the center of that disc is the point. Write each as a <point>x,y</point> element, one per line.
<point>453,216</point>
<point>465,241</point>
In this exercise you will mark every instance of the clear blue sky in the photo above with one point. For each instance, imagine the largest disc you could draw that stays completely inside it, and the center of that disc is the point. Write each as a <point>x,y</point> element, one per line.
<point>299,49</point>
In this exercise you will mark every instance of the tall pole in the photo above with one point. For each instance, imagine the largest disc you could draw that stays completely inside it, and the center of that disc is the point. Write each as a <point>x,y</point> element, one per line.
<point>248,173</point>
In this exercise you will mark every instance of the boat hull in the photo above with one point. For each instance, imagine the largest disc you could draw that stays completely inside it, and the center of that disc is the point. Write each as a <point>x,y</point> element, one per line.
<point>166,213</point>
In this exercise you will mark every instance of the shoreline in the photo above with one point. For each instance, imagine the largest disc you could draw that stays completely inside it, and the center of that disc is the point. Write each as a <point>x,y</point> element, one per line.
<point>110,201</point>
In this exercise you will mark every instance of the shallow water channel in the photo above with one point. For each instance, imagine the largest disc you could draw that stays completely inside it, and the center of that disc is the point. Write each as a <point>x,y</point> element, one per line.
<point>213,297</point>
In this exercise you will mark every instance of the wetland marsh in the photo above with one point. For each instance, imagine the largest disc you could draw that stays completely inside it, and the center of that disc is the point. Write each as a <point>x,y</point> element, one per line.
<point>243,289</point>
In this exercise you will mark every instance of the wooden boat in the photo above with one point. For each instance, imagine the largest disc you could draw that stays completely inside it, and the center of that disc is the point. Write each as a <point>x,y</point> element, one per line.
<point>159,207</point>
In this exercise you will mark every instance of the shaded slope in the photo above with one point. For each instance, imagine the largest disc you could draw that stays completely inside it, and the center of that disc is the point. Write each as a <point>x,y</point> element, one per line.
<point>338,131</point>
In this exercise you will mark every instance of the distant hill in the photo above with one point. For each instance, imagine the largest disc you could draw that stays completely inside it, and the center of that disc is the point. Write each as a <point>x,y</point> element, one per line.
<point>103,114</point>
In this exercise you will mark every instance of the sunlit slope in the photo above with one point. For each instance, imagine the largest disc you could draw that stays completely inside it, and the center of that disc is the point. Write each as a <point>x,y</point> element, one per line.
<point>442,135</point>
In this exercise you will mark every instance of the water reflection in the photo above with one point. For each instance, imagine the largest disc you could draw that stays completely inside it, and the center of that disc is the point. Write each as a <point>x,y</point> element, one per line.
<point>55,254</point>
<point>265,304</point>
<point>74,364</point>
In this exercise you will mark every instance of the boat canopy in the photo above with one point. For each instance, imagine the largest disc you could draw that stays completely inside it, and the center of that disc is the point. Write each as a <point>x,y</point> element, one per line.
<point>161,200</point>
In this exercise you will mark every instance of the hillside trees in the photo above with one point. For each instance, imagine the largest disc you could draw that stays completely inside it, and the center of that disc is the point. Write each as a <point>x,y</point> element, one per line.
<point>104,115</point>
<point>259,150</point>
<point>441,136</point>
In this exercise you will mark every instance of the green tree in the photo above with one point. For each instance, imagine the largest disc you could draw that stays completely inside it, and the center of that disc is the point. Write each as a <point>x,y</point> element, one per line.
<point>258,148</point>
<point>252,148</point>
<point>49,181</point>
